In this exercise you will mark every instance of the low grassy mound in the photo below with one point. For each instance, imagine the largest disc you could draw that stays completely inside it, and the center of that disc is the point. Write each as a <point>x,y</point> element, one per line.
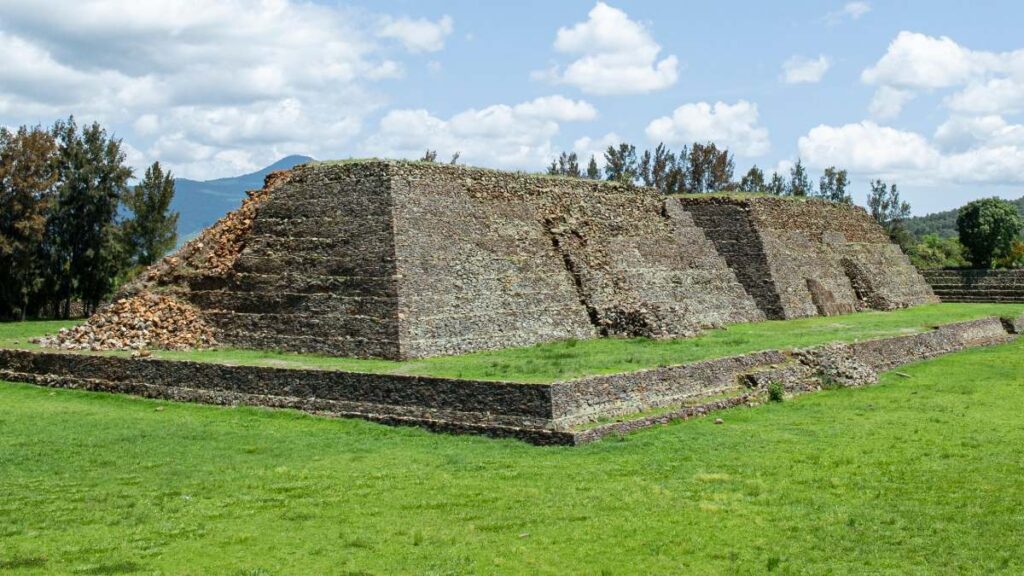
<point>919,475</point>
<point>572,359</point>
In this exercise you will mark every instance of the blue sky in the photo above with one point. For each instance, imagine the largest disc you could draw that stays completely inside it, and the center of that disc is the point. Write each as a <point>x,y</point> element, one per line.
<point>928,95</point>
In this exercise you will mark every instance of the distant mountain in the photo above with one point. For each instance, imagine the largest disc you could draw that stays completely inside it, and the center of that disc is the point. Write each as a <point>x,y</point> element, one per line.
<point>943,223</point>
<point>200,204</point>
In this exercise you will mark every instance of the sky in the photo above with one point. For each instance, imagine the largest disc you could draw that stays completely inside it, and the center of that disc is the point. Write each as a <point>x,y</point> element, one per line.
<point>925,94</point>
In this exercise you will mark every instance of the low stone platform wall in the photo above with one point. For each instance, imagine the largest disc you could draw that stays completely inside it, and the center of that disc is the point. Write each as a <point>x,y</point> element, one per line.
<point>1001,286</point>
<point>570,412</point>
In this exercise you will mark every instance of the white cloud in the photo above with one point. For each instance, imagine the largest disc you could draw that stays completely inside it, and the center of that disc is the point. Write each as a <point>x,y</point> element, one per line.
<point>615,55</point>
<point>518,136</point>
<point>888,102</point>
<point>997,95</point>
<point>557,108</point>
<point>989,151</point>
<point>586,147</point>
<point>420,35</point>
<point>918,61</point>
<point>851,11</point>
<point>205,87</point>
<point>989,82</point>
<point>732,125</point>
<point>867,147</point>
<point>801,70</point>
<point>961,133</point>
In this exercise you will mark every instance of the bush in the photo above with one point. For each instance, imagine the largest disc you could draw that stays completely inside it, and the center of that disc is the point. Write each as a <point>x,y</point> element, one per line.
<point>935,252</point>
<point>988,228</point>
<point>776,392</point>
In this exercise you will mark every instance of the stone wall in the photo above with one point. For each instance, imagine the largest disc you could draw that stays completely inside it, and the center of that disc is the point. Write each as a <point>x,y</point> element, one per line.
<point>400,260</point>
<point>800,258</point>
<point>490,259</point>
<point>560,413</point>
<point>315,272</point>
<point>977,285</point>
<point>406,259</point>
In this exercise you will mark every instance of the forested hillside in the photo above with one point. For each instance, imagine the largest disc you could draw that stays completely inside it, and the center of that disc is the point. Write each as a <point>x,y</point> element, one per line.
<point>942,224</point>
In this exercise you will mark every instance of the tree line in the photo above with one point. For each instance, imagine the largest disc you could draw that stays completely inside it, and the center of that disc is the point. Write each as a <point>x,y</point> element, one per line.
<point>697,169</point>
<point>703,168</point>
<point>990,234</point>
<point>71,226</point>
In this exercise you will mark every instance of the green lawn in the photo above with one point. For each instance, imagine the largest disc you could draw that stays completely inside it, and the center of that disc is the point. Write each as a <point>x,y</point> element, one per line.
<point>922,474</point>
<point>564,360</point>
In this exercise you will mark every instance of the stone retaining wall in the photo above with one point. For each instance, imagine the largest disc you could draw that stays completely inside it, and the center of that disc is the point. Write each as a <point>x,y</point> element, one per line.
<point>1003,286</point>
<point>557,413</point>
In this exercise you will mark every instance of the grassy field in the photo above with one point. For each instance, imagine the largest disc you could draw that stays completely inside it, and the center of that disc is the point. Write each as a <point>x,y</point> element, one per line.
<point>569,359</point>
<point>922,474</point>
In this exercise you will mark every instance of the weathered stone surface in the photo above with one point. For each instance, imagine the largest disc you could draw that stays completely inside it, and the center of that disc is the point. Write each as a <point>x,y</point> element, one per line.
<point>977,285</point>
<point>539,413</point>
<point>806,258</point>
<point>405,260</point>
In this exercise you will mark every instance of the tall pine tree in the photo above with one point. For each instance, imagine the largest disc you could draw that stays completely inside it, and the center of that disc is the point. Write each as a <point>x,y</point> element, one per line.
<point>152,230</point>
<point>620,164</point>
<point>86,251</point>
<point>832,186</point>
<point>799,182</point>
<point>753,181</point>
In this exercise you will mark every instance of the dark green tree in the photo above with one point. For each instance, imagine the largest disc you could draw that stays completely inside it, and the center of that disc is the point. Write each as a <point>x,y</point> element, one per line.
<point>708,168</point>
<point>620,164</point>
<point>722,168</point>
<point>657,169</point>
<point>85,243</point>
<point>799,184</point>
<point>27,176</point>
<point>890,211</point>
<point>936,252</point>
<point>753,181</point>
<point>988,228</point>
<point>593,172</point>
<point>152,229</point>
<point>777,185</point>
<point>832,186</point>
<point>567,164</point>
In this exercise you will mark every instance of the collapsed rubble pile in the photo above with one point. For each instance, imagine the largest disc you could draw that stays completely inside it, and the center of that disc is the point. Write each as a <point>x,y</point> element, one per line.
<point>137,323</point>
<point>142,317</point>
<point>212,253</point>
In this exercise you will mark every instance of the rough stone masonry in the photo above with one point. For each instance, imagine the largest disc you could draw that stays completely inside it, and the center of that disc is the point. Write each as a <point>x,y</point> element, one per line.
<point>400,260</point>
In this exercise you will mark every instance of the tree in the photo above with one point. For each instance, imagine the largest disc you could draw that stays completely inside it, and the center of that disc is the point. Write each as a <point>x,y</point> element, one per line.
<point>567,164</point>
<point>753,181</point>
<point>27,175</point>
<point>708,169</point>
<point>799,184</point>
<point>988,228</point>
<point>86,249</point>
<point>832,186</point>
<point>455,158</point>
<point>429,156</point>
<point>722,167</point>
<point>593,172</point>
<point>658,169</point>
<point>890,211</point>
<point>152,229</point>
<point>936,252</point>
<point>620,164</point>
<point>777,185</point>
